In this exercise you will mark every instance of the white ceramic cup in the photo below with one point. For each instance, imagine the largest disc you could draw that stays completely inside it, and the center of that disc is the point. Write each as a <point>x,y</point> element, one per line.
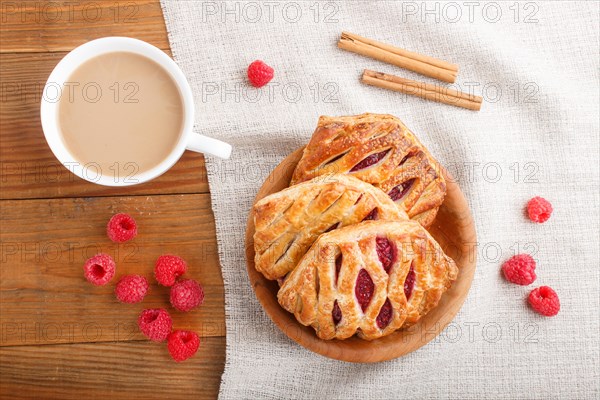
<point>55,86</point>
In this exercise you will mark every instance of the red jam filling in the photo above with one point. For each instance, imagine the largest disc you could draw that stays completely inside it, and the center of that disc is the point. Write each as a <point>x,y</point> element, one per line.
<point>370,160</point>
<point>400,191</point>
<point>406,157</point>
<point>386,251</point>
<point>364,289</point>
<point>336,313</point>
<point>385,315</point>
<point>373,215</point>
<point>338,267</point>
<point>409,283</point>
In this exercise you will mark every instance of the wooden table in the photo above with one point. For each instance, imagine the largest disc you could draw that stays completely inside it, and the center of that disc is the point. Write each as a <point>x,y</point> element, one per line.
<point>60,336</point>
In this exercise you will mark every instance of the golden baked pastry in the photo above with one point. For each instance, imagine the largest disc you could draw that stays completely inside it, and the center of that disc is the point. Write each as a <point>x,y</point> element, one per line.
<point>381,150</point>
<point>368,279</point>
<point>288,222</point>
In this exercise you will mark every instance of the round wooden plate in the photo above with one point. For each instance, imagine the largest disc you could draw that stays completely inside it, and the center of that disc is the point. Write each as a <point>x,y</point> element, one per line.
<point>454,230</point>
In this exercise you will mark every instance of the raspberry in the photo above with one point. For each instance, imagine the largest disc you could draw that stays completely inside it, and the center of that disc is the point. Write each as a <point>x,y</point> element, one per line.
<point>259,73</point>
<point>131,288</point>
<point>539,209</point>
<point>520,269</point>
<point>183,344</point>
<point>545,301</point>
<point>186,295</point>
<point>121,228</point>
<point>99,269</point>
<point>155,323</point>
<point>168,268</point>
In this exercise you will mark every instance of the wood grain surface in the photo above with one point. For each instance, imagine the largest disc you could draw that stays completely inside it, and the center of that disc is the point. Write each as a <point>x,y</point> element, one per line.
<point>453,229</point>
<point>46,299</point>
<point>133,370</point>
<point>46,26</point>
<point>60,337</point>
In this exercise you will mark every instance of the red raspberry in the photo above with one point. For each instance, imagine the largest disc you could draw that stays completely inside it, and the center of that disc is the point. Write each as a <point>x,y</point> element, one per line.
<point>121,228</point>
<point>520,269</point>
<point>259,73</point>
<point>168,268</point>
<point>545,301</point>
<point>131,288</point>
<point>183,344</point>
<point>99,269</point>
<point>155,323</point>
<point>186,294</point>
<point>539,209</point>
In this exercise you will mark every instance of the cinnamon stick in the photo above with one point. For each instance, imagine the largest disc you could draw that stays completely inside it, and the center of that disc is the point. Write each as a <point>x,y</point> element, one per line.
<point>423,90</point>
<point>422,64</point>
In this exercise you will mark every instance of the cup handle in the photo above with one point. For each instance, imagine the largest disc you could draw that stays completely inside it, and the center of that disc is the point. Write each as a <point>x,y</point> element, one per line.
<point>204,144</point>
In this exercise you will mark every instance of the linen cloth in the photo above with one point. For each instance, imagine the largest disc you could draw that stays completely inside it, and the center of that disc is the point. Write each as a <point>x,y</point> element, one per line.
<point>535,64</point>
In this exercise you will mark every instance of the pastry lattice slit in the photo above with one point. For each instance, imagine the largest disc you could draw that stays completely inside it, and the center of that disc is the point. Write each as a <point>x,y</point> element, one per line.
<point>370,160</point>
<point>385,315</point>
<point>288,247</point>
<point>373,215</point>
<point>364,289</point>
<point>336,313</point>
<point>334,159</point>
<point>400,191</point>
<point>387,252</point>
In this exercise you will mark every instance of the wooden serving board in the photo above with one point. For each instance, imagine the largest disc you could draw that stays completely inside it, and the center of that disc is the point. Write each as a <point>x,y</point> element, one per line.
<point>454,230</point>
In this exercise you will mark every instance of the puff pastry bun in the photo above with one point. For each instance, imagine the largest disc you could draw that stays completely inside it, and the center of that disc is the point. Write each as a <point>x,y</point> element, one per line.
<point>368,279</point>
<point>288,222</point>
<point>381,150</point>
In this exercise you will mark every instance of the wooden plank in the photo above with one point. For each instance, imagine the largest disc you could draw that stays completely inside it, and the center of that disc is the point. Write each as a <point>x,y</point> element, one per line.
<point>44,244</point>
<point>132,370</point>
<point>47,26</point>
<point>43,296</point>
<point>28,169</point>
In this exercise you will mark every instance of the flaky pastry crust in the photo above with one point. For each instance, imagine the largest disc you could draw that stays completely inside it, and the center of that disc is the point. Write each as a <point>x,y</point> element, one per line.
<point>288,222</point>
<point>381,150</point>
<point>368,279</point>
